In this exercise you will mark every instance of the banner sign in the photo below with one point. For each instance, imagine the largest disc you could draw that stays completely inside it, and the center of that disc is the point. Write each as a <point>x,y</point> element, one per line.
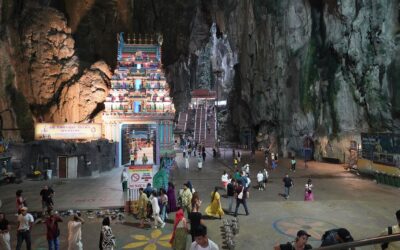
<point>139,176</point>
<point>67,131</point>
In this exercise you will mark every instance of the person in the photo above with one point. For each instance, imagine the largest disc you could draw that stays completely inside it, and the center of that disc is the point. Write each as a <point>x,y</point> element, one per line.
<point>266,161</point>
<point>107,239</point>
<point>4,232</point>
<point>288,183</point>
<point>195,216</point>
<point>144,159</point>
<point>142,206</point>
<point>186,198</point>
<point>299,243</point>
<point>395,229</point>
<point>237,176</point>
<point>132,158</point>
<point>235,162</point>
<point>124,180</point>
<point>225,179</point>
<point>308,193</point>
<point>25,222</point>
<point>19,201</point>
<point>75,232</point>
<point>187,162</point>
<point>265,178</point>
<point>201,240</point>
<point>230,192</point>
<point>53,231</point>
<point>184,152</point>
<point>156,210</point>
<point>215,208</point>
<point>203,154</point>
<point>199,162</point>
<point>171,198</point>
<point>214,152</point>
<point>239,156</point>
<point>241,195</point>
<point>336,236</point>
<point>293,164</point>
<point>246,169</point>
<point>45,193</point>
<point>260,180</point>
<point>148,190</point>
<point>274,164</point>
<point>178,238</point>
<point>164,204</point>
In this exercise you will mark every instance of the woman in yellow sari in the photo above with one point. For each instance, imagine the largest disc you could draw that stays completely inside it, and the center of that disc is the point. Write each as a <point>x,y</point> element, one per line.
<point>215,208</point>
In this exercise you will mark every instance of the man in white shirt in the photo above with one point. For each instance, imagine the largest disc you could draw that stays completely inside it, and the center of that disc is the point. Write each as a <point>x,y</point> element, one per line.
<point>260,180</point>
<point>156,210</point>
<point>75,233</point>
<point>124,180</point>
<point>25,222</point>
<point>201,241</point>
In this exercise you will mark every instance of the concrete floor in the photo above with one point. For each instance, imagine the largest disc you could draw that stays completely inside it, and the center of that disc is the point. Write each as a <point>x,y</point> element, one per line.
<point>342,199</point>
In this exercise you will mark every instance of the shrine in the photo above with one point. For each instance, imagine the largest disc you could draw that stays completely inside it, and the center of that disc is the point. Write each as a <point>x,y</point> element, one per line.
<point>139,112</point>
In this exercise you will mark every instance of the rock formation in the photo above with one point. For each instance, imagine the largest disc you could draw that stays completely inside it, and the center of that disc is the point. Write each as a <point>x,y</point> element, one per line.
<point>289,69</point>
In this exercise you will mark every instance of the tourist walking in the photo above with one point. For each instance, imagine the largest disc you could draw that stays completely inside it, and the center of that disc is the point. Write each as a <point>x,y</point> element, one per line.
<point>199,162</point>
<point>225,179</point>
<point>75,232</point>
<point>260,180</point>
<point>156,210</point>
<point>180,231</point>
<point>46,194</point>
<point>163,204</point>
<point>288,183</point>
<point>171,198</point>
<point>239,156</point>
<point>241,196</point>
<point>299,243</point>
<point>203,154</point>
<point>124,180</point>
<point>186,198</point>
<point>195,216</point>
<point>215,208</point>
<point>293,164</point>
<point>308,193</point>
<point>230,193</point>
<point>4,232</point>
<point>107,239</point>
<point>53,231</point>
<point>274,164</point>
<point>142,206</point>
<point>266,162</point>
<point>19,200</point>
<point>265,178</point>
<point>201,240</point>
<point>144,159</point>
<point>187,162</point>
<point>25,222</point>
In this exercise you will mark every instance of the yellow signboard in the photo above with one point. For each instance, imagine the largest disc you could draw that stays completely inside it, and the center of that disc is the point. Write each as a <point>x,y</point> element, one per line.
<point>67,131</point>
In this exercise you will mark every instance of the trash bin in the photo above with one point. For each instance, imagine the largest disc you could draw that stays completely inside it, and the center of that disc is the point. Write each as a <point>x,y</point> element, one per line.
<point>385,179</point>
<point>49,174</point>
<point>392,180</point>
<point>397,181</point>
<point>377,177</point>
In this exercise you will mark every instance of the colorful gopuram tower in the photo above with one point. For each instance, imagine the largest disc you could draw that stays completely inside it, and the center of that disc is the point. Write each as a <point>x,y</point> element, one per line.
<point>139,112</point>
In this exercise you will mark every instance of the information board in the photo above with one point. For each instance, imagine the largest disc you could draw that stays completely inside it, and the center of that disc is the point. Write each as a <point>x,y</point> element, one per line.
<point>381,147</point>
<point>67,131</point>
<point>140,175</point>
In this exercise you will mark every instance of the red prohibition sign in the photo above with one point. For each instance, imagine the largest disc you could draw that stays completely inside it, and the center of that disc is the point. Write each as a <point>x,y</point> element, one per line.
<point>135,177</point>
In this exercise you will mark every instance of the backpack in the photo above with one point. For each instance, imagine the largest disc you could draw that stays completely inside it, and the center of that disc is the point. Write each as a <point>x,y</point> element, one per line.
<point>386,244</point>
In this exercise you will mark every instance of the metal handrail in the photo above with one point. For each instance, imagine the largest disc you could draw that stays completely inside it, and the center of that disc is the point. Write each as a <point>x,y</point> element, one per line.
<point>364,242</point>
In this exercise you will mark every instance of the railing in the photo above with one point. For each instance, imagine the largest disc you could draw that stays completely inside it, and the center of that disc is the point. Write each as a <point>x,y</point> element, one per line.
<point>364,242</point>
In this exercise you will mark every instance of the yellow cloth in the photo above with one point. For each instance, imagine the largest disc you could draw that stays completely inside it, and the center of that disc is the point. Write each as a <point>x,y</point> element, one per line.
<point>215,208</point>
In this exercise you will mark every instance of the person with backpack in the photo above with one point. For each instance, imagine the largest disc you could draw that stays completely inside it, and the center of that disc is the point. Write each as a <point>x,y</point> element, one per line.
<point>336,236</point>
<point>395,229</point>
